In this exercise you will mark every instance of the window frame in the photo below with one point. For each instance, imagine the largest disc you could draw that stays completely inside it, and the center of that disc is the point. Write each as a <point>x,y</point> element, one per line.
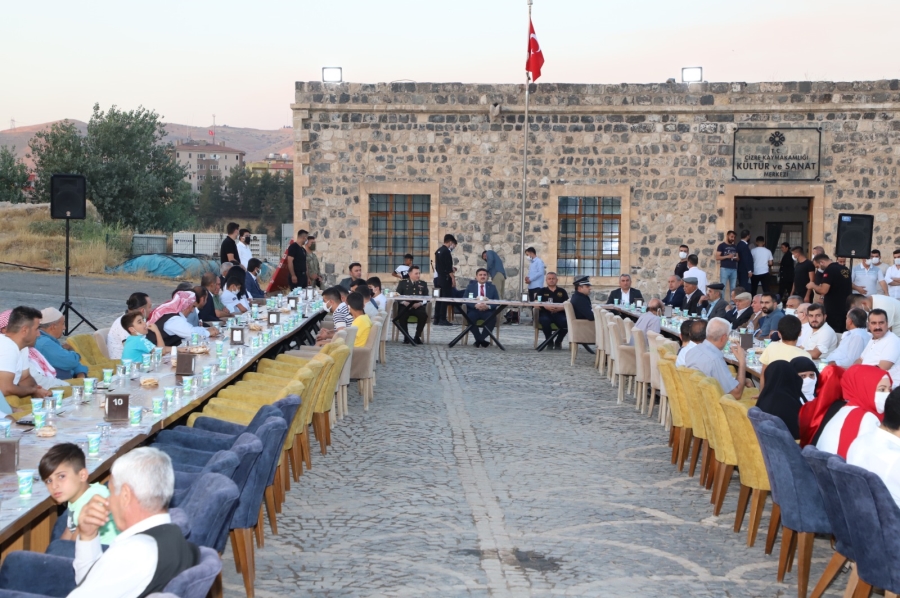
<point>606,213</point>
<point>390,233</point>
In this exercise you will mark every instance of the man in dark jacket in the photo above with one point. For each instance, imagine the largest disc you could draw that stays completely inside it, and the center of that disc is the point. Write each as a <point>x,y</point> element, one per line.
<point>625,294</point>
<point>481,287</point>
<point>693,303</point>
<point>445,280</point>
<point>581,299</point>
<point>745,260</point>
<point>675,296</point>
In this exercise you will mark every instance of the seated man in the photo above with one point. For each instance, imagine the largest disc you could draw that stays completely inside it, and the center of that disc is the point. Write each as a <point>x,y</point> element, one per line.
<point>553,313</point>
<point>853,341</point>
<point>15,375</point>
<point>581,299</point>
<point>355,274</point>
<point>115,339</point>
<point>822,341</point>
<point>481,288</point>
<point>147,554</point>
<point>791,304</point>
<point>362,287</point>
<point>361,320</point>
<point>333,299</point>
<point>708,358</point>
<point>66,362</point>
<point>212,310</point>
<point>785,349</point>
<point>648,322</point>
<point>254,267</point>
<point>742,312</point>
<point>693,332</point>
<point>224,269</point>
<point>717,307</point>
<point>675,294</point>
<point>171,319</point>
<point>625,294</point>
<point>768,323</point>
<point>879,450</point>
<point>693,302</point>
<point>378,297</point>
<point>884,348</point>
<point>413,285</point>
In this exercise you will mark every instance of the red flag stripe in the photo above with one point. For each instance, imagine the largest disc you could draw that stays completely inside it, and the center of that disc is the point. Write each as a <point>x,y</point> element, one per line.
<point>535,54</point>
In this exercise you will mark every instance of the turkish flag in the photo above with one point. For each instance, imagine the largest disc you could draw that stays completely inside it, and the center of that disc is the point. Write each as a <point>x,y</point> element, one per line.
<point>211,133</point>
<point>535,55</point>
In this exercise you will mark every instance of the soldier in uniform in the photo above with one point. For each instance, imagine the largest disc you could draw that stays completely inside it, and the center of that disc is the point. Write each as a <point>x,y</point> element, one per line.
<point>553,314</point>
<point>414,286</point>
<point>581,299</point>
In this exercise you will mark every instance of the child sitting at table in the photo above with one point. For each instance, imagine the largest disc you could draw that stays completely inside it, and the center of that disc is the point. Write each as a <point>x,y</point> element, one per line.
<point>63,470</point>
<point>137,345</point>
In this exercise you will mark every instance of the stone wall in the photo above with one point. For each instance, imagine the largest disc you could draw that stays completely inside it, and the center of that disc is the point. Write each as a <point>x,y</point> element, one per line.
<point>666,147</point>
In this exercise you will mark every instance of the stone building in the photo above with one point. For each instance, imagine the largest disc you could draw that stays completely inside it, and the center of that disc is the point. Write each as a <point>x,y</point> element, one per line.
<point>618,175</point>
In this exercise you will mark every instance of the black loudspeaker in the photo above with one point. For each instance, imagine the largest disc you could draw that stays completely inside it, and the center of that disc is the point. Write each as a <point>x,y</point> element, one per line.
<point>68,197</point>
<point>854,235</point>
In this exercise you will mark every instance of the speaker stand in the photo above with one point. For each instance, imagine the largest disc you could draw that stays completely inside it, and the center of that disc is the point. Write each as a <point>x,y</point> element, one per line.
<point>66,306</point>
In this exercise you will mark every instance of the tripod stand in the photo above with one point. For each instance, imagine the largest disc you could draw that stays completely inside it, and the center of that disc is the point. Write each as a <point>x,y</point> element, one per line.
<point>66,306</point>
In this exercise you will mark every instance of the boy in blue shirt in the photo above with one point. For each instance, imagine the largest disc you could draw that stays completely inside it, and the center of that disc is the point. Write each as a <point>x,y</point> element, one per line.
<point>137,345</point>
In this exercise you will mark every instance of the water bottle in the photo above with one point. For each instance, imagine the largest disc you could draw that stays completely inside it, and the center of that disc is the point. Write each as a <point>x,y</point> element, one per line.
<point>703,313</point>
<point>750,328</point>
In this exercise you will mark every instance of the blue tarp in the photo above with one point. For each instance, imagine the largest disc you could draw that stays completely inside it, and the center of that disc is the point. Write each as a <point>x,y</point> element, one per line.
<point>175,266</point>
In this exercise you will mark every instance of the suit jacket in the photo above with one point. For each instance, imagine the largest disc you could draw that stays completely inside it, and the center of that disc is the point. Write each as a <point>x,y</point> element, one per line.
<point>741,321</point>
<point>443,262</point>
<point>692,303</point>
<point>490,291</point>
<point>581,305</point>
<point>745,261</point>
<point>674,298</point>
<point>719,310</point>
<point>617,294</point>
<point>252,287</point>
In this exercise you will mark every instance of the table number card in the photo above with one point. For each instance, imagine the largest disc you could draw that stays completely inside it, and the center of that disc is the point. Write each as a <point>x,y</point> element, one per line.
<point>9,455</point>
<point>185,364</point>
<point>237,336</point>
<point>274,318</point>
<point>117,406</point>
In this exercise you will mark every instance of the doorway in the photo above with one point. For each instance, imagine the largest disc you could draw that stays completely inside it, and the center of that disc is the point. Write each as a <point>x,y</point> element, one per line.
<point>778,220</point>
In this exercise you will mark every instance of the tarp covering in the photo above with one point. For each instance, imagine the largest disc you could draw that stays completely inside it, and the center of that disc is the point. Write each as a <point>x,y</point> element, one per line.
<point>174,266</point>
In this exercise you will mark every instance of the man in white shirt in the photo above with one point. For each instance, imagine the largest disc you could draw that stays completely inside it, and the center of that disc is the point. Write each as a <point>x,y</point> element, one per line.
<point>853,341</point>
<point>762,261</point>
<point>694,271</point>
<point>116,337</point>
<point>879,450</point>
<point>867,279</point>
<point>15,375</point>
<point>822,340</point>
<point>695,330</point>
<point>243,245</point>
<point>892,277</point>
<point>806,329</point>
<point>884,348</point>
<point>890,306</point>
<point>377,296</point>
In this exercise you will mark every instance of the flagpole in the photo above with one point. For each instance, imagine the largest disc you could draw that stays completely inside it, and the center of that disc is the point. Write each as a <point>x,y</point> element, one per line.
<point>524,176</point>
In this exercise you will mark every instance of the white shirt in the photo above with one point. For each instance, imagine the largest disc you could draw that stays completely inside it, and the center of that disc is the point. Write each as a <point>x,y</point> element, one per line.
<point>891,307</point>
<point>404,268</point>
<point>892,274</point>
<point>868,278</point>
<point>879,452</point>
<point>125,569</point>
<point>887,348</point>
<point>830,437</point>
<point>12,358</point>
<point>115,339</point>
<point>805,332</point>
<point>761,259</point>
<point>230,301</point>
<point>699,274</point>
<point>824,339</point>
<point>626,297</point>
<point>244,254</point>
<point>852,344</point>
<point>371,309</point>
<point>178,325</point>
<point>342,317</point>
<point>380,301</point>
<point>682,354</point>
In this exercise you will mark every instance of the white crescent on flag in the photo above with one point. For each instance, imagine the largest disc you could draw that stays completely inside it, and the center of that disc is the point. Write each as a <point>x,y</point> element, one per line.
<point>535,55</point>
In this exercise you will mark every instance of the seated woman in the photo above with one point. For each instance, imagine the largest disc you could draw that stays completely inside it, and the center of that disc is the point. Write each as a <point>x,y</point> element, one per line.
<point>864,389</point>
<point>783,396</point>
<point>170,318</point>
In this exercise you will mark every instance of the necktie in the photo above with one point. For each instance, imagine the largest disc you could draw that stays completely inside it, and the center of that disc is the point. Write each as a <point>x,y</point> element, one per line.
<point>481,292</point>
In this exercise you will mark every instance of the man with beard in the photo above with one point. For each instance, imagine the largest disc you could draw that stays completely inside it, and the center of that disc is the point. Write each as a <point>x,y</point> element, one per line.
<point>768,323</point>
<point>823,340</point>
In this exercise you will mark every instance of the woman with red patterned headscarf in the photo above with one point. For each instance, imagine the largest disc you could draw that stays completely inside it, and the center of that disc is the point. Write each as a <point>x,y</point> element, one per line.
<point>172,323</point>
<point>864,389</point>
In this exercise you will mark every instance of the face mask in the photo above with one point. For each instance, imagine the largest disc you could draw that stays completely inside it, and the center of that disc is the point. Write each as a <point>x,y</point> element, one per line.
<point>897,261</point>
<point>820,270</point>
<point>312,247</point>
<point>452,247</point>
<point>789,311</point>
<point>682,254</point>
<point>327,308</point>
<point>880,398</point>
<point>875,261</point>
<point>809,388</point>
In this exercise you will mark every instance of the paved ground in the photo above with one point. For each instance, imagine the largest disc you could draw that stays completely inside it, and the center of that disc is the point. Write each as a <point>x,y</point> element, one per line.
<point>482,473</point>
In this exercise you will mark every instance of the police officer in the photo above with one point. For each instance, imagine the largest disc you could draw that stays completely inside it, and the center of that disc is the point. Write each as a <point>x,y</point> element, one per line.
<point>581,299</point>
<point>554,314</point>
<point>413,286</point>
<point>445,279</point>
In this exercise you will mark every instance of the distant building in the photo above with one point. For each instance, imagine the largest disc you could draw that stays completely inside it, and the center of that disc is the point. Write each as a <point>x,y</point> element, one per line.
<point>204,160</point>
<point>273,163</point>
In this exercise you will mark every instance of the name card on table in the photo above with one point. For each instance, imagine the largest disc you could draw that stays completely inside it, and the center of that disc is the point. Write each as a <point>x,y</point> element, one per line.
<point>292,302</point>
<point>746,341</point>
<point>237,336</point>
<point>185,364</point>
<point>274,318</point>
<point>9,455</point>
<point>117,406</point>
<point>668,312</point>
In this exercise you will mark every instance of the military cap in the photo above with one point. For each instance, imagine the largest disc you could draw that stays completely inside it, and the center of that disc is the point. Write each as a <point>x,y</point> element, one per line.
<point>583,281</point>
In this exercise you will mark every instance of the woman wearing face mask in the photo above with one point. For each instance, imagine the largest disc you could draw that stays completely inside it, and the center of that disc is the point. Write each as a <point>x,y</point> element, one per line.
<point>864,388</point>
<point>812,414</point>
<point>782,395</point>
<point>809,374</point>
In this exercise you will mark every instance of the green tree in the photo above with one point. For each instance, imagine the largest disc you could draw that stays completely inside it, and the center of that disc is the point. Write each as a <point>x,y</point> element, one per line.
<point>13,176</point>
<point>209,207</point>
<point>59,149</point>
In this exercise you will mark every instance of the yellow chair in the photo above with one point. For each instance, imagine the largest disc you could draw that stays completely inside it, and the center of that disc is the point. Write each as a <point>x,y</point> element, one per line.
<point>698,427</point>
<point>320,416</point>
<point>751,466</point>
<point>680,433</point>
<point>708,463</point>
<point>91,356</point>
<point>726,456</point>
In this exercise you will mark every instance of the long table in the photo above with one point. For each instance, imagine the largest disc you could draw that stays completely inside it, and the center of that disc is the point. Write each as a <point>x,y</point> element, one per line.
<point>27,522</point>
<point>672,329</point>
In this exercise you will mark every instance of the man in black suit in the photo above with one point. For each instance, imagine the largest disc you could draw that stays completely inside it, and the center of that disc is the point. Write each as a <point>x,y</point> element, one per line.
<point>693,299</point>
<point>742,312</point>
<point>745,260</point>
<point>481,288</point>
<point>445,280</point>
<point>625,294</point>
<point>675,296</point>
<point>718,307</point>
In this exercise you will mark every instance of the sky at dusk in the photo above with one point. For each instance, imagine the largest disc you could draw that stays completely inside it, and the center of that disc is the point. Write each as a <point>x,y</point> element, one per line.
<point>239,60</point>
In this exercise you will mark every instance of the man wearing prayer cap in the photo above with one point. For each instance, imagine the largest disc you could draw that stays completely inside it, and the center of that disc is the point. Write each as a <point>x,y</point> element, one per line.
<point>693,302</point>
<point>718,307</point>
<point>66,362</point>
<point>742,313</point>
<point>581,299</point>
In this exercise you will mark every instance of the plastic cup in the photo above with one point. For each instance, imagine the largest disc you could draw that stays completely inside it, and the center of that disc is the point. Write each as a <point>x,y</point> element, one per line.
<point>57,397</point>
<point>157,405</point>
<point>77,394</point>
<point>195,338</point>
<point>107,376</point>
<point>169,394</point>
<point>220,346</point>
<point>93,444</point>
<point>37,404</point>
<point>26,480</point>
<point>120,371</point>
<point>134,414</point>
<point>743,331</point>
<point>615,301</point>
<point>187,384</point>
<point>5,426</point>
<point>40,418</point>
<point>255,342</point>
<point>206,375</point>
<point>223,363</point>
<point>126,363</point>
<point>179,393</point>
<point>146,359</point>
<point>89,385</point>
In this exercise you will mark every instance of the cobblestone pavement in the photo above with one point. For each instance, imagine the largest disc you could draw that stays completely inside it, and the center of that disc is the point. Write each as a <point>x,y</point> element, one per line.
<point>478,472</point>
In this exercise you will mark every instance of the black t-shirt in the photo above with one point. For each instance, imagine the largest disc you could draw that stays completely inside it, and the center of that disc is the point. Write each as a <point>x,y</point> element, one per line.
<point>838,279</point>
<point>730,250</point>
<point>681,268</point>
<point>558,296</point>
<point>228,246</point>
<point>801,277</point>
<point>297,252</point>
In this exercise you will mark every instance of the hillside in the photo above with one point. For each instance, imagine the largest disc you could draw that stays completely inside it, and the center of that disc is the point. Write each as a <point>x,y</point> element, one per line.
<point>258,143</point>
